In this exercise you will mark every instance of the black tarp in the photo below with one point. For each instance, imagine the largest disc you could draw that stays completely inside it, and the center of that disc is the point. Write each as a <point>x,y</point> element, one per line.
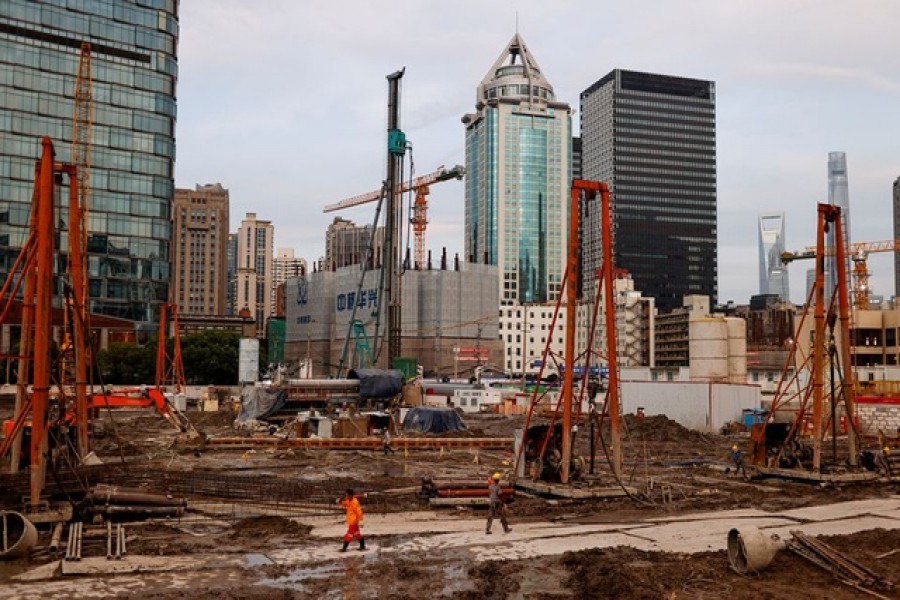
<point>258,403</point>
<point>426,419</point>
<point>378,383</point>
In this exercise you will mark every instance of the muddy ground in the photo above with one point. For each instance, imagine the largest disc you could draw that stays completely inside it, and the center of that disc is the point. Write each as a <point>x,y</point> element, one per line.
<point>675,472</point>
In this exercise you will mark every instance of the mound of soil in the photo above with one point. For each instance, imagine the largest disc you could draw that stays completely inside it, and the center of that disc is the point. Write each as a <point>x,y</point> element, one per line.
<point>260,527</point>
<point>660,428</point>
<point>220,418</point>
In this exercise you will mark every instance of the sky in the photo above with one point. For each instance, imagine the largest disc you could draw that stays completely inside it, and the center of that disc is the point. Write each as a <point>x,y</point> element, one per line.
<point>284,103</point>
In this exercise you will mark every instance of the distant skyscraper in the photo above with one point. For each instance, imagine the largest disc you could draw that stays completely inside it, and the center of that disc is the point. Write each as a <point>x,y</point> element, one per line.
<point>518,169</point>
<point>773,276</point>
<point>897,236</point>
<point>576,158</point>
<point>254,270</point>
<point>838,195</point>
<point>231,275</point>
<point>653,139</point>
<point>285,266</point>
<point>134,69</point>
<point>347,243</point>
<point>200,234</point>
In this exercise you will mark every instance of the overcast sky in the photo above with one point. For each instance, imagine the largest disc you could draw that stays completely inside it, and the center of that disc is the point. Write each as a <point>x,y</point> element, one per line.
<point>284,103</point>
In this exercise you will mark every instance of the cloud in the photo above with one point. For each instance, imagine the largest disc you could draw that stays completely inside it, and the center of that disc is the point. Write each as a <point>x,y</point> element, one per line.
<point>284,102</point>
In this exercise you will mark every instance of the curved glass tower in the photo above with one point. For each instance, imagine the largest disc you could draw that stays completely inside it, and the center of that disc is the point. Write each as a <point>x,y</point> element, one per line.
<point>133,55</point>
<point>518,165</point>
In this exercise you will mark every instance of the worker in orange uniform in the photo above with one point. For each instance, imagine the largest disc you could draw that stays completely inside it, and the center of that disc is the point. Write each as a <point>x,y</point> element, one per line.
<point>497,508</point>
<point>354,520</point>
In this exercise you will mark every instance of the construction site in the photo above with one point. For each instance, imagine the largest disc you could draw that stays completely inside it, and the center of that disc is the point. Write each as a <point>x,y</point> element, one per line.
<point>143,492</point>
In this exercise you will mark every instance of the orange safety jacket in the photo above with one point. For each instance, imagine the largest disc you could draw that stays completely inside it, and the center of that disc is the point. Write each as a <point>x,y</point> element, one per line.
<point>354,511</point>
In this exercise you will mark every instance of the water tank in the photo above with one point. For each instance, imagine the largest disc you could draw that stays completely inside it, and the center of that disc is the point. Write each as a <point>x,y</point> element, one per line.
<point>708,348</point>
<point>737,349</point>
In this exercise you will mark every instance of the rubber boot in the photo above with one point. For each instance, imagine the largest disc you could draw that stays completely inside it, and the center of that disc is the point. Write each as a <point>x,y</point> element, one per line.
<point>344,549</point>
<point>362,543</point>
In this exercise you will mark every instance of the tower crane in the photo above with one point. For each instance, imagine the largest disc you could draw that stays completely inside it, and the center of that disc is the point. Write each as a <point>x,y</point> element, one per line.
<point>419,219</point>
<point>82,137</point>
<point>859,254</point>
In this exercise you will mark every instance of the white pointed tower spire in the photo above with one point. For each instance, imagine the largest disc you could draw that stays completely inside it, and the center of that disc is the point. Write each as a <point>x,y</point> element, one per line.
<point>515,74</point>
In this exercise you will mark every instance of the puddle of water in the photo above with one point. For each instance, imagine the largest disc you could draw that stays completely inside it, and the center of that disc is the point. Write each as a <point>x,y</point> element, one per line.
<point>455,578</point>
<point>257,559</point>
<point>294,580</point>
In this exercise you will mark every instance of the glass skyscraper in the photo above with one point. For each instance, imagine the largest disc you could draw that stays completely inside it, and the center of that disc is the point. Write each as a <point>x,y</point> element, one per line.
<point>134,69</point>
<point>518,171</point>
<point>838,195</point>
<point>773,275</point>
<point>653,139</point>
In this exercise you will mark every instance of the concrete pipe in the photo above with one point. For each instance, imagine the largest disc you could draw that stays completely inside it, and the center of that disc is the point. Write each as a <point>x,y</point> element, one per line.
<point>17,535</point>
<point>750,550</point>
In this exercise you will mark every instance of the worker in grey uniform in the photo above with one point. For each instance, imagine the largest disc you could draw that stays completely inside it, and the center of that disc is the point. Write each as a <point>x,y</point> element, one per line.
<point>497,508</point>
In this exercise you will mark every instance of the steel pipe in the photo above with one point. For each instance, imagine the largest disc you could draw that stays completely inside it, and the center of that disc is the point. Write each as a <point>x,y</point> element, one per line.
<point>19,535</point>
<point>56,537</point>
<point>362,443</point>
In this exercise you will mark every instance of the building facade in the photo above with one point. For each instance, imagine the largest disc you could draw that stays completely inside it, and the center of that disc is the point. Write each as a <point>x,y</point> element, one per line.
<point>347,243</point>
<point>672,331</point>
<point>518,173</point>
<point>838,195</point>
<point>231,275</point>
<point>773,274</point>
<point>134,69</point>
<point>199,249</point>
<point>450,322</point>
<point>284,266</point>
<point>897,236</point>
<point>256,240</point>
<point>653,139</point>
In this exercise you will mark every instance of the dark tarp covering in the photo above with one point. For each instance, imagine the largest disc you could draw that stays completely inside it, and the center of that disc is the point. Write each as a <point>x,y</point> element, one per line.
<point>378,383</point>
<point>258,403</point>
<point>426,419</point>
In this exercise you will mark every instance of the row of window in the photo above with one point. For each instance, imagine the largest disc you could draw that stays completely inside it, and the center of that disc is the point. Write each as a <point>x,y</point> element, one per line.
<point>118,22</point>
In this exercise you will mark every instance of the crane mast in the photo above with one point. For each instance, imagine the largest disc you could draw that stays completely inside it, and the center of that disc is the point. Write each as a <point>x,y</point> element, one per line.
<point>82,134</point>
<point>391,251</point>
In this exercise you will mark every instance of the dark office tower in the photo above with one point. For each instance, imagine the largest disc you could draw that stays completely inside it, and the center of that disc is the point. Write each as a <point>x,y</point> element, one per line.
<point>653,139</point>
<point>134,68</point>
<point>576,158</point>
<point>897,236</point>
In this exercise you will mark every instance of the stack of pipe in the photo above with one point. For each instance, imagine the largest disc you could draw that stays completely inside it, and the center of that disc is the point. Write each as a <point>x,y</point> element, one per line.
<point>120,503</point>
<point>461,488</point>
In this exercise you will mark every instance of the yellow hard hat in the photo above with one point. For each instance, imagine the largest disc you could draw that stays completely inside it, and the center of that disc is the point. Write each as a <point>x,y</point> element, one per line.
<point>496,477</point>
<point>734,448</point>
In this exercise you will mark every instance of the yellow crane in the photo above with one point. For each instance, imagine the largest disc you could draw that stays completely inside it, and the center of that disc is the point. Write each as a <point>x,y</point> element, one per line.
<point>82,137</point>
<point>859,254</point>
<point>419,219</point>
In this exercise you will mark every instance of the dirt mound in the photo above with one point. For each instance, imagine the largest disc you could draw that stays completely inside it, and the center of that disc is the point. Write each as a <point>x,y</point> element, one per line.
<point>629,574</point>
<point>260,527</point>
<point>660,428</point>
<point>219,418</point>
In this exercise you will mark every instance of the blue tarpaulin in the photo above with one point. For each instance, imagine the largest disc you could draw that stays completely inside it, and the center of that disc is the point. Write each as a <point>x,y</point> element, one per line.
<point>426,419</point>
<point>378,383</point>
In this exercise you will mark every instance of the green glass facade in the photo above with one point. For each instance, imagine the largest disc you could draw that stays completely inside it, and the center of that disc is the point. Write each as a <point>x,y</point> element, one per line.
<point>518,172</point>
<point>134,71</point>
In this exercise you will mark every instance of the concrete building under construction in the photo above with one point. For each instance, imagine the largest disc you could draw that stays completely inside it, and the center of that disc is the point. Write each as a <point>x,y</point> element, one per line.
<point>450,318</point>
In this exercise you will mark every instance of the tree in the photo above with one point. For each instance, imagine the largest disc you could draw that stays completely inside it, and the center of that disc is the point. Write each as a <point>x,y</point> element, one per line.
<point>127,364</point>
<point>211,357</point>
